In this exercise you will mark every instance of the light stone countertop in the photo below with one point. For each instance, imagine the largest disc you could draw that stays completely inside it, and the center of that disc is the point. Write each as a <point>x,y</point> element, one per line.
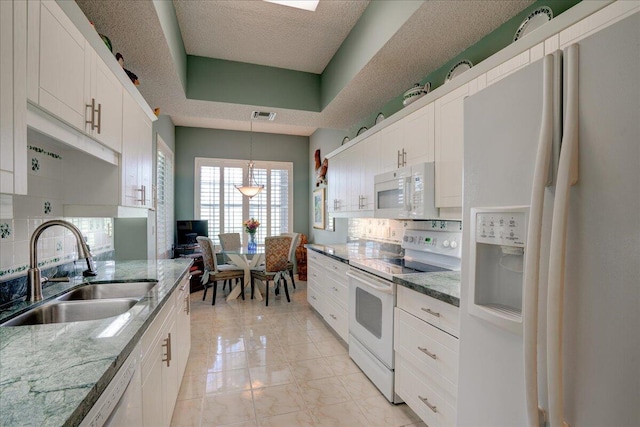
<point>51,375</point>
<point>444,286</point>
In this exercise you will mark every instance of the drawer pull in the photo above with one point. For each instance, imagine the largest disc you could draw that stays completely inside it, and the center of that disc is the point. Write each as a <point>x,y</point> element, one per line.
<point>428,353</point>
<point>334,288</point>
<point>434,408</point>
<point>313,296</point>
<point>433,313</point>
<point>333,317</point>
<point>187,305</point>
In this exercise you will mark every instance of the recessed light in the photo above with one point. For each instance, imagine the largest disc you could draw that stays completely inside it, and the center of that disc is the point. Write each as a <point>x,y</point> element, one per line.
<point>309,5</point>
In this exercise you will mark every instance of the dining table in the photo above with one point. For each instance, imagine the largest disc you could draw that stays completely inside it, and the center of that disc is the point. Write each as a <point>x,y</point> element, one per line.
<point>247,260</point>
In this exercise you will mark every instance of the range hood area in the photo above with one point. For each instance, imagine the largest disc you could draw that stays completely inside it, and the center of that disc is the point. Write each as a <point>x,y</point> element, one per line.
<point>89,173</point>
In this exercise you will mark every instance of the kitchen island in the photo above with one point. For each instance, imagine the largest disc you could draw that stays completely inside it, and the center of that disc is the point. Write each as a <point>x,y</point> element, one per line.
<point>51,375</point>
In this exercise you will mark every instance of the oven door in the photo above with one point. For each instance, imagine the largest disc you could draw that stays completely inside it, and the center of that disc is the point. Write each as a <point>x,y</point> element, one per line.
<point>371,303</point>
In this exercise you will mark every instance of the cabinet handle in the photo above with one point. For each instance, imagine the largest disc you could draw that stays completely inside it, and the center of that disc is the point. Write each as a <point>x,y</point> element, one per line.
<point>434,408</point>
<point>404,158</point>
<point>313,296</point>
<point>333,317</point>
<point>334,288</point>
<point>92,106</point>
<point>428,353</point>
<point>99,126</point>
<point>398,161</point>
<point>143,194</point>
<point>187,308</point>
<point>167,345</point>
<point>433,313</point>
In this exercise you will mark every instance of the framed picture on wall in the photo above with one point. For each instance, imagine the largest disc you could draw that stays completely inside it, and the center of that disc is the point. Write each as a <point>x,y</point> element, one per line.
<point>318,208</point>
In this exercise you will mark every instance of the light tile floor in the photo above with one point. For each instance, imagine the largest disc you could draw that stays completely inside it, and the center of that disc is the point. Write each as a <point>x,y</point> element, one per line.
<point>252,365</point>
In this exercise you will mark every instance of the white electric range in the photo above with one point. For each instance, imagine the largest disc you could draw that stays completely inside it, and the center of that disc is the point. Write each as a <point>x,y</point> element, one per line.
<point>372,298</point>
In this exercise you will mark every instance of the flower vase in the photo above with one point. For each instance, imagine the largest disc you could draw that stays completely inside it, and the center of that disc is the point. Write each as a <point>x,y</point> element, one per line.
<point>252,246</point>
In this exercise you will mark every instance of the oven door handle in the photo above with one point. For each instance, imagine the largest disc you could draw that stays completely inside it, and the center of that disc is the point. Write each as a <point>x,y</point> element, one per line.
<point>383,289</point>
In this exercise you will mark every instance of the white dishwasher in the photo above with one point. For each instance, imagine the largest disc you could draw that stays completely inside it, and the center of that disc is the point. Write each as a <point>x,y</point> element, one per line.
<point>121,403</point>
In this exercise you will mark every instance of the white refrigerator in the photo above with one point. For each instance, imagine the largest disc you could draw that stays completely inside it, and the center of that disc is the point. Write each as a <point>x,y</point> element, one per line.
<point>550,297</point>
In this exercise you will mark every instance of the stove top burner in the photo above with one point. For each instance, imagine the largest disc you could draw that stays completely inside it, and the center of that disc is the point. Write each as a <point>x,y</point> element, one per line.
<point>389,267</point>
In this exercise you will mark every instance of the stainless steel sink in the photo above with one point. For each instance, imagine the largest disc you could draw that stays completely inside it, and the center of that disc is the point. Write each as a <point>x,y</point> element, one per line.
<point>73,311</point>
<point>109,290</point>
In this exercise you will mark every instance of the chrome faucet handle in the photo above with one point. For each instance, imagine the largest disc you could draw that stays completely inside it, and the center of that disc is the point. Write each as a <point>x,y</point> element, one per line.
<point>44,279</point>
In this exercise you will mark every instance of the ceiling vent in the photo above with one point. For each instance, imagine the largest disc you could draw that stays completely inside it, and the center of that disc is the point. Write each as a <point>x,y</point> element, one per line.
<point>263,115</point>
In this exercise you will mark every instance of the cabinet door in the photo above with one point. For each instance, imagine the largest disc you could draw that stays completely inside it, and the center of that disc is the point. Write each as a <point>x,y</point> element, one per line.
<point>170,378</point>
<point>449,141</point>
<point>13,97</point>
<point>369,160</point>
<point>418,136</point>
<point>136,160</point>
<point>183,320</point>
<point>389,146</point>
<point>107,96</point>
<point>335,184</point>
<point>63,72</point>
<point>152,403</point>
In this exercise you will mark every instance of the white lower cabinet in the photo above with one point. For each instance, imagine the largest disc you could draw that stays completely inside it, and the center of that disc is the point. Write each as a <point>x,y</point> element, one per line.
<point>426,374</point>
<point>328,291</point>
<point>165,349</point>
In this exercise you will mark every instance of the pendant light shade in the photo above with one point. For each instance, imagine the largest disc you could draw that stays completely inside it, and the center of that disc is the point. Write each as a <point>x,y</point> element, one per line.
<point>251,187</point>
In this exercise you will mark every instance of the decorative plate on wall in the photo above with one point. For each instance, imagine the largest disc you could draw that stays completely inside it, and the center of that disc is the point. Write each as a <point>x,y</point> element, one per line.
<point>379,118</point>
<point>458,69</point>
<point>345,140</point>
<point>535,20</point>
<point>362,130</point>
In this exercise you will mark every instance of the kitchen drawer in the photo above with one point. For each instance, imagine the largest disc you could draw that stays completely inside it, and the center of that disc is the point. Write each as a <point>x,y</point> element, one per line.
<point>337,318</point>
<point>439,314</point>
<point>424,397</point>
<point>314,257</point>
<point>433,352</point>
<point>313,274</point>
<point>337,267</point>
<point>315,298</point>
<point>338,291</point>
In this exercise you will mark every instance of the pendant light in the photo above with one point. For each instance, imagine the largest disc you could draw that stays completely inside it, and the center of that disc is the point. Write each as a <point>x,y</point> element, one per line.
<point>251,188</point>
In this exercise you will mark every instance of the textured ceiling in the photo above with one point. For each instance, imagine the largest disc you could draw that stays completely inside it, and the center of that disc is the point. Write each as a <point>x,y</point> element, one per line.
<point>435,33</point>
<point>263,33</point>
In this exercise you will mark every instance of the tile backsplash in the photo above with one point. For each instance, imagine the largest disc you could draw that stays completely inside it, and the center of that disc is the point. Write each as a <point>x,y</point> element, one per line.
<point>391,230</point>
<point>21,215</point>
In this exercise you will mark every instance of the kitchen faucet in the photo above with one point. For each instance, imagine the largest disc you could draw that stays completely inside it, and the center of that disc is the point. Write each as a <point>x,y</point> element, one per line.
<point>35,283</point>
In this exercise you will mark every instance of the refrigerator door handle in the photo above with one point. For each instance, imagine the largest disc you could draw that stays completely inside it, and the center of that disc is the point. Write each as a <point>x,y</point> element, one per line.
<point>535,415</point>
<point>567,176</point>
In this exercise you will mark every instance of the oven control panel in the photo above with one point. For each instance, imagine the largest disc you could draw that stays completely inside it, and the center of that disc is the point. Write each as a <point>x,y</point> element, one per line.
<point>434,241</point>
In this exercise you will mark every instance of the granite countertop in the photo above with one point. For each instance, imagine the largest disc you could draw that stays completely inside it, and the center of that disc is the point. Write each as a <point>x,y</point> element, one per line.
<point>444,285</point>
<point>346,252</point>
<point>51,375</point>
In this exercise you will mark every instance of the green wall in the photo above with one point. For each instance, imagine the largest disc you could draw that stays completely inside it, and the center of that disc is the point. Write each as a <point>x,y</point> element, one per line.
<point>211,79</point>
<point>171,28</point>
<point>487,46</point>
<point>227,144</point>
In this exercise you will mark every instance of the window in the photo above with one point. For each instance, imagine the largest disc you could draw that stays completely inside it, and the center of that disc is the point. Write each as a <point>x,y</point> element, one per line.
<point>164,200</point>
<point>218,201</point>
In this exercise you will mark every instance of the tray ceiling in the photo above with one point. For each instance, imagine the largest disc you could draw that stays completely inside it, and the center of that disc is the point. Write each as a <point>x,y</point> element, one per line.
<point>257,32</point>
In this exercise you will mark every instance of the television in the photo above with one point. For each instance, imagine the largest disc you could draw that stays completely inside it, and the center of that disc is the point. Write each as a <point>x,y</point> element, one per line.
<point>187,231</point>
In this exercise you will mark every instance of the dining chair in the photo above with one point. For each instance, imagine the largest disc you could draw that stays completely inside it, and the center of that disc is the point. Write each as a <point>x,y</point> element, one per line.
<point>295,239</point>
<point>214,272</point>
<point>230,241</point>
<point>276,269</point>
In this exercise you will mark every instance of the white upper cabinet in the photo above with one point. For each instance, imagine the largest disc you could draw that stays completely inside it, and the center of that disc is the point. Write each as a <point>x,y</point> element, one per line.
<point>136,161</point>
<point>449,142</point>
<point>58,65</point>
<point>13,97</point>
<point>68,79</point>
<point>105,99</point>
<point>408,141</point>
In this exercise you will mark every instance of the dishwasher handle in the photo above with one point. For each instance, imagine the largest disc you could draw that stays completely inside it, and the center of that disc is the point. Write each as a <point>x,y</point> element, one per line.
<point>359,278</point>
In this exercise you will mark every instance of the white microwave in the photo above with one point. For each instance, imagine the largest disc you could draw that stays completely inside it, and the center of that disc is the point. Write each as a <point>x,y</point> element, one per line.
<point>406,193</point>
